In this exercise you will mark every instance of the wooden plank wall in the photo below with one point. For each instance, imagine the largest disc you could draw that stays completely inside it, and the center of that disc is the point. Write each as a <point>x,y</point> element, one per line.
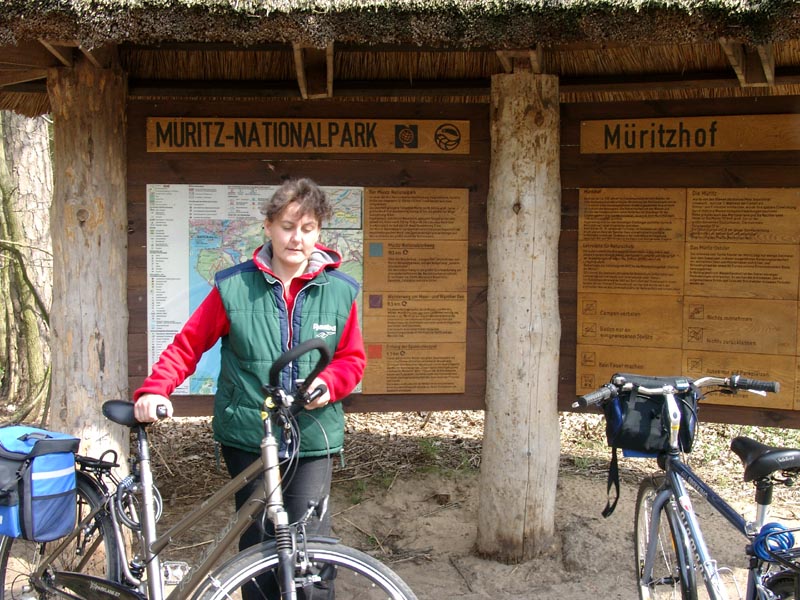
<point>355,170</point>
<point>704,169</point>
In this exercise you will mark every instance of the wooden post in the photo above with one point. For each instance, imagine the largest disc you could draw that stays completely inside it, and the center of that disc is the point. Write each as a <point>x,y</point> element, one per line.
<point>89,321</point>
<point>519,467</point>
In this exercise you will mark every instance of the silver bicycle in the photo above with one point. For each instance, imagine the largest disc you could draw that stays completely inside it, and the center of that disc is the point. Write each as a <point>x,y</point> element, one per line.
<point>94,562</point>
<point>672,557</point>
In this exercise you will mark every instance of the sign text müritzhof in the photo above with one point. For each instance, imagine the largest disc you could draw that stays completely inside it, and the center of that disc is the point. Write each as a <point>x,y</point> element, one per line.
<point>204,134</point>
<point>739,133</point>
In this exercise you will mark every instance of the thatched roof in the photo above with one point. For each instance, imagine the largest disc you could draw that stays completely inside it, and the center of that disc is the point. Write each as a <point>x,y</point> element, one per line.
<point>404,49</point>
<point>441,23</point>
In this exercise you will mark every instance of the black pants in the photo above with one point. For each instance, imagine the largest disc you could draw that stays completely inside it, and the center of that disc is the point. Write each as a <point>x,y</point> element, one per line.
<point>309,479</point>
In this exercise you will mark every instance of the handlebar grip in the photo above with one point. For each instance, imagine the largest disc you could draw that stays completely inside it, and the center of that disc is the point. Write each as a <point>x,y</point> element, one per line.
<point>298,351</point>
<point>298,406</point>
<point>739,382</point>
<point>606,392</point>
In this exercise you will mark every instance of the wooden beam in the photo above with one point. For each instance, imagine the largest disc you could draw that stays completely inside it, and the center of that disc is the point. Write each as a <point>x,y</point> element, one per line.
<point>767,56</point>
<point>26,56</point>
<point>329,69</point>
<point>505,61</point>
<point>754,66</point>
<point>101,57</point>
<point>14,77</point>
<point>314,68</point>
<point>529,60</point>
<point>63,54</point>
<point>536,56</point>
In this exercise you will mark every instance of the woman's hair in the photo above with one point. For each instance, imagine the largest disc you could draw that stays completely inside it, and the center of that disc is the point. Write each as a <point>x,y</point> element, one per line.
<point>307,194</point>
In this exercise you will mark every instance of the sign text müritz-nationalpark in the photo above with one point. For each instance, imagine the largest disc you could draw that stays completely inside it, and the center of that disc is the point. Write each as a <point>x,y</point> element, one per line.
<point>692,134</point>
<point>278,135</point>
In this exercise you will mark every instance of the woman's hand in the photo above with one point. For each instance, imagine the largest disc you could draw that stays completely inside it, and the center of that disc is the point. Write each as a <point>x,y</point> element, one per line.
<point>323,399</point>
<point>146,406</point>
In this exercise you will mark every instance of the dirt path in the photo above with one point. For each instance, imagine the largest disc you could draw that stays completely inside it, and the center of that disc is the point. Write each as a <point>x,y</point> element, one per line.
<point>408,495</point>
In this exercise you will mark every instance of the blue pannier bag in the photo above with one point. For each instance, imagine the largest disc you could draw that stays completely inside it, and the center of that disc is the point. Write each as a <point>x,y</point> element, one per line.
<point>37,483</point>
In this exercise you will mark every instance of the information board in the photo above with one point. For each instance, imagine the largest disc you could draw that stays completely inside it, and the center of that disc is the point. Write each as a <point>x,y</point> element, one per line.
<point>415,290</point>
<point>712,288</point>
<point>413,304</point>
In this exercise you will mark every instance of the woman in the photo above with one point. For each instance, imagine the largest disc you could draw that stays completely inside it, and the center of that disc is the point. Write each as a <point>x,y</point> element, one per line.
<point>289,292</point>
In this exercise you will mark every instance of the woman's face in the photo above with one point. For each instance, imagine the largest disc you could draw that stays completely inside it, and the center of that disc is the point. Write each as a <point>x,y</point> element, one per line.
<point>293,238</point>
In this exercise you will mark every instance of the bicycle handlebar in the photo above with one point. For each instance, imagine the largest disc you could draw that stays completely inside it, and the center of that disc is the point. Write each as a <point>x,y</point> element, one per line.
<point>740,382</point>
<point>622,383</point>
<point>598,396</point>
<point>295,353</point>
<point>301,394</point>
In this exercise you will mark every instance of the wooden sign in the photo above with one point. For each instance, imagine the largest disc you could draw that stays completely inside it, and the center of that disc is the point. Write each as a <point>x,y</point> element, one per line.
<point>596,364</point>
<point>740,325</point>
<point>742,270</point>
<point>414,369</point>
<point>328,136</point>
<point>654,214</point>
<point>435,317</point>
<point>743,133</point>
<point>766,367</point>
<point>631,267</point>
<point>429,266</point>
<point>416,213</point>
<point>744,215</point>
<point>630,320</point>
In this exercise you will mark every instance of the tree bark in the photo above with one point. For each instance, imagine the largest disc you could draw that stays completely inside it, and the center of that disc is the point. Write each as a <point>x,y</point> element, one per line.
<point>26,273</point>
<point>89,230</point>
<point>519,467</point>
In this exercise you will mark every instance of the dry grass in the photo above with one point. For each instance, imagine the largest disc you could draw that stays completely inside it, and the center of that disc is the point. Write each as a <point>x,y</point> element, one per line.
<point>380,447</point>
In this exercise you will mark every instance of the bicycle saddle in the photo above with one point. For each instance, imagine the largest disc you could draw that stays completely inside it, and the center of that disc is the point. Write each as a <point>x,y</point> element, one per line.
<point>761,460</point>
<point>120,411</point>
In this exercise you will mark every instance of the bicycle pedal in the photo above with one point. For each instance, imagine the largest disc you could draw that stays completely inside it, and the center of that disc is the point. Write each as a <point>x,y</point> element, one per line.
<point>173,571</point>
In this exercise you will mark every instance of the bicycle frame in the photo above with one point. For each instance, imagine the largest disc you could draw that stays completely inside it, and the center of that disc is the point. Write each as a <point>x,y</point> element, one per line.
<point>676,473</point>
<point>267,495</point>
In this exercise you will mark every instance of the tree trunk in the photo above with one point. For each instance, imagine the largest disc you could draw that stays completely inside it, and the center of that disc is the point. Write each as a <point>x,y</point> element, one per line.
<point>89,315</point>
<point>519,467</point>
<point>26,266</point>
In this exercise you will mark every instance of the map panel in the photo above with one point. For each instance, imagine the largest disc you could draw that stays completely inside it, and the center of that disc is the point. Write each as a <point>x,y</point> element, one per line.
<point>196,230</point>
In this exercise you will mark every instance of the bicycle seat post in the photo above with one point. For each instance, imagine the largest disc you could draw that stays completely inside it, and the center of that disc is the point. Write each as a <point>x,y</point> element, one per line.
<point>148,517</point>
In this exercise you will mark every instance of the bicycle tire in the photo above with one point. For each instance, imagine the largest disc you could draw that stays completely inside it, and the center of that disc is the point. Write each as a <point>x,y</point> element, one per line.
<point>356,575</point>
<point>93,551</point>
<point>673,573</point>
<point>783,584</point>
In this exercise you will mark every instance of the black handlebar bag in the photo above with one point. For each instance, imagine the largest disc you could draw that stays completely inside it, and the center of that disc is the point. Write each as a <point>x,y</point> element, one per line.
<point>37,483</point>
<point>639,425</point>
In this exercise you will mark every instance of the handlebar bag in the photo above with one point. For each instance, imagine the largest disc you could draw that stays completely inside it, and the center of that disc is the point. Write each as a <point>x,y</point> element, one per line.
<point>639,424</point>
<point>37,483</point>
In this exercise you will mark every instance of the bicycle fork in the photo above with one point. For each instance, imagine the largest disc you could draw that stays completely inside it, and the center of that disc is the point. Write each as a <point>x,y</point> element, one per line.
<point>277,513</point>
<point>689,530</point>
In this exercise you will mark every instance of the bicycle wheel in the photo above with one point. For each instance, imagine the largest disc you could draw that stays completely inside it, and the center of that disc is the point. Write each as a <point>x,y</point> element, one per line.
<point>355,575</point>
<point>93,550</point>
<point>783,584</point>
<point>672,574</point>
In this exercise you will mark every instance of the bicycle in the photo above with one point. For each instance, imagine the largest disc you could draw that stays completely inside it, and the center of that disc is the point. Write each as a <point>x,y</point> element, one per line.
<point>670,550</point>
<point>93,562</point>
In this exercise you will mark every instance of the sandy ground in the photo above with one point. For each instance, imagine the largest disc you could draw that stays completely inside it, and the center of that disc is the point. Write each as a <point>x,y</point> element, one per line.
<point>416,510</point>
<point>425,527</point>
